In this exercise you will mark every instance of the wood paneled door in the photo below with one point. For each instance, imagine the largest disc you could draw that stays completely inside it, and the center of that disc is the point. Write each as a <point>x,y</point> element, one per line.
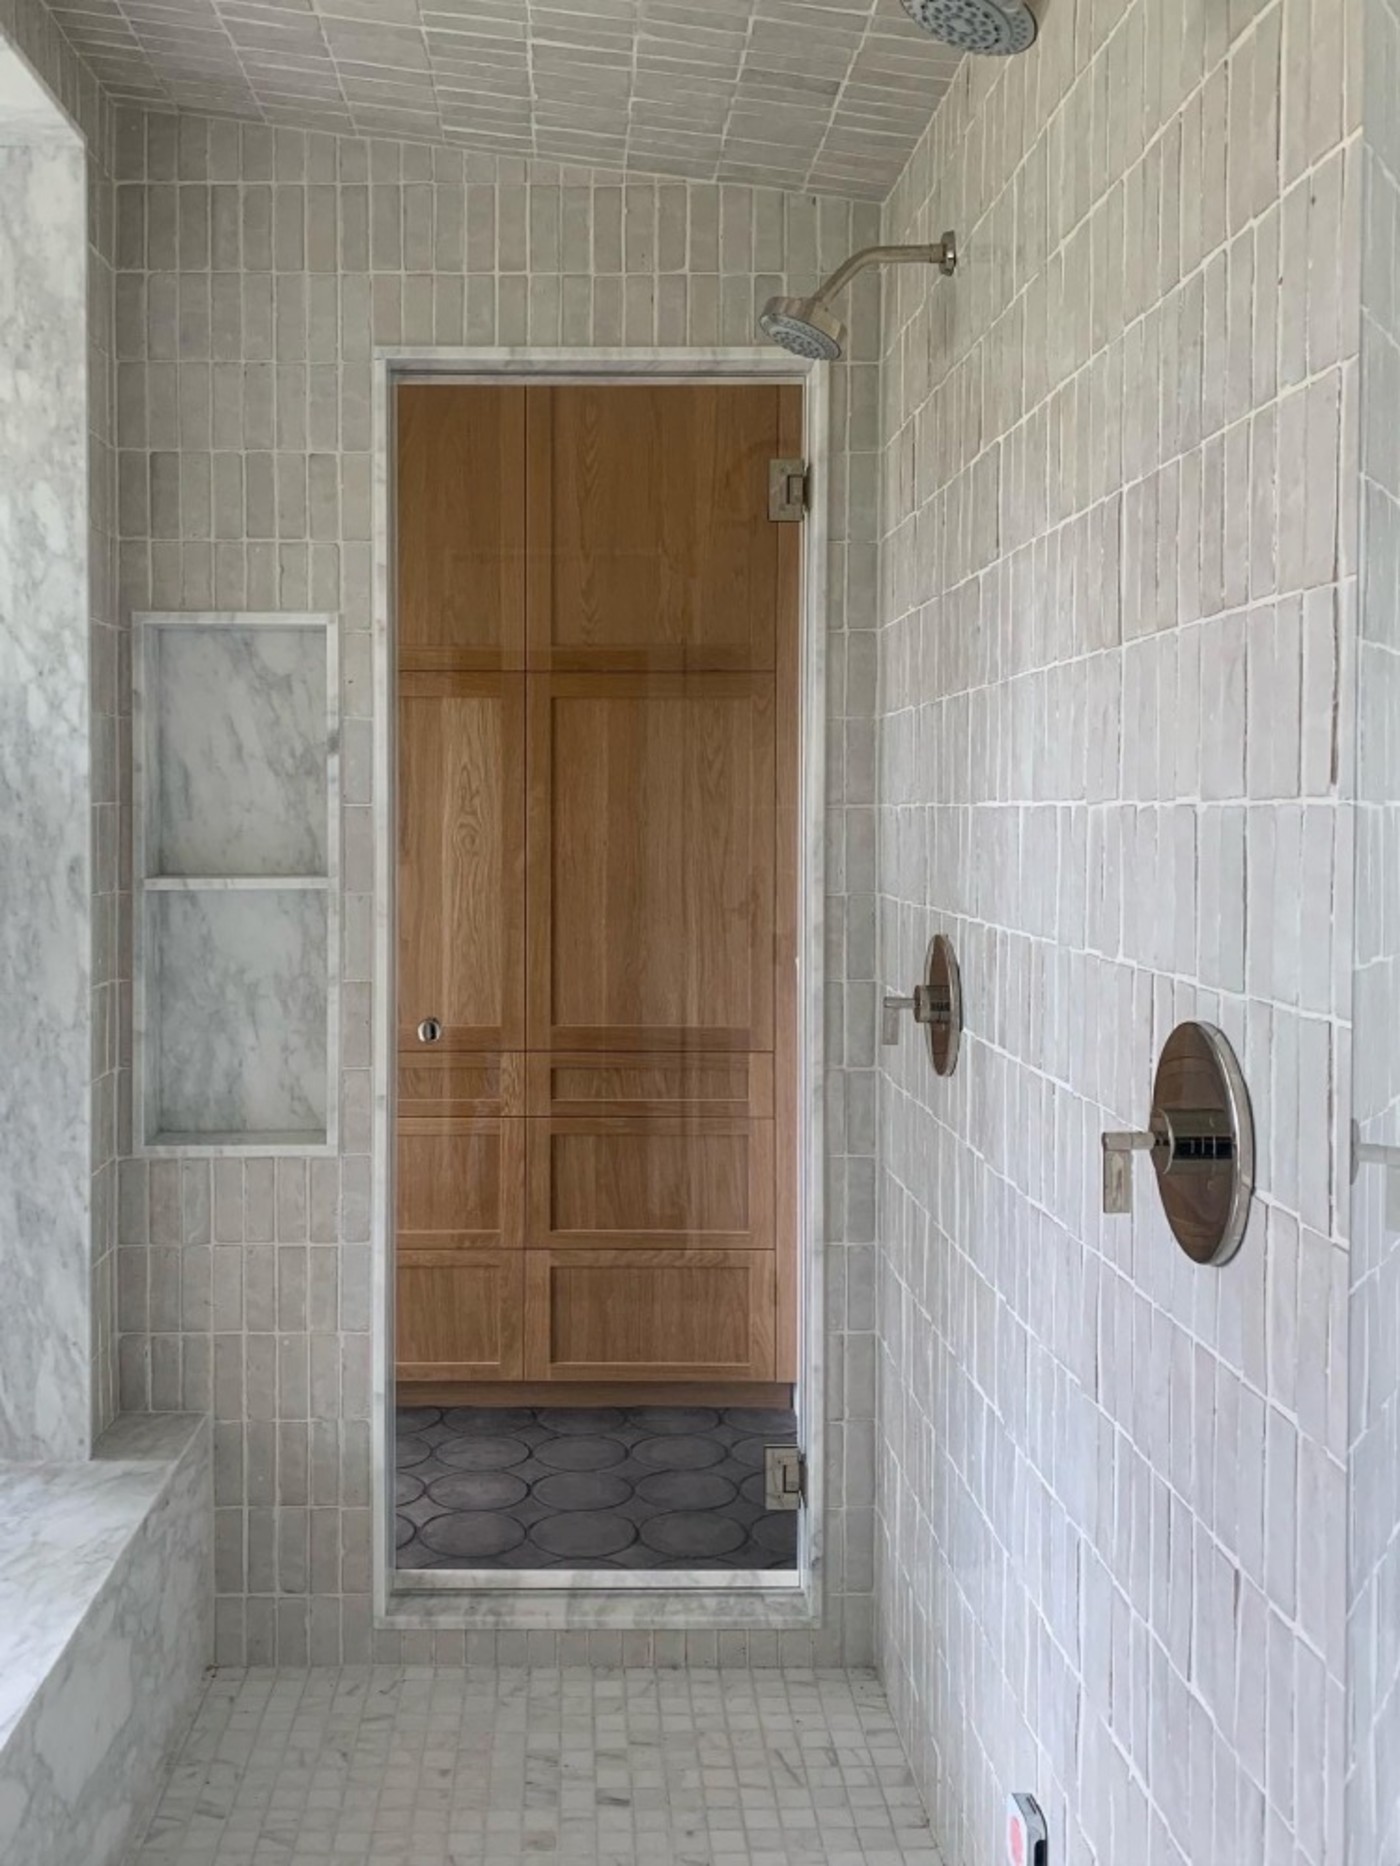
<point>597,667</point>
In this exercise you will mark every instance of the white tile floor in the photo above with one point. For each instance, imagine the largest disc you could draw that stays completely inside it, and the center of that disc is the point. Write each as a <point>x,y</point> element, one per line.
<point>427,1766</point>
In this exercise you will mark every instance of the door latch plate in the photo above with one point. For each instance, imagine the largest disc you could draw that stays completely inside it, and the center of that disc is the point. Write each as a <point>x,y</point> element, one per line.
<point>784,1477</point>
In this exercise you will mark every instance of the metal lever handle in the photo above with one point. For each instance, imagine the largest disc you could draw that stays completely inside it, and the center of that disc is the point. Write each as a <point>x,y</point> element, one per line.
<point>926,1007</point>
<point>1188,1140</point>
<point>889,1018</point>
<point>1118,1151</point>
<point>1371,1153</point>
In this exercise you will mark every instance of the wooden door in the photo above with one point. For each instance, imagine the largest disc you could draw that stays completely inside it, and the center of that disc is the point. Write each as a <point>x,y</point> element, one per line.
<point>598,891</point>
<point>460,618</point>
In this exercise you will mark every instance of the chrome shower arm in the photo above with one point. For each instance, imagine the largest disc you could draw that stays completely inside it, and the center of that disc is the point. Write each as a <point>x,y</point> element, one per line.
<point>941,253</point>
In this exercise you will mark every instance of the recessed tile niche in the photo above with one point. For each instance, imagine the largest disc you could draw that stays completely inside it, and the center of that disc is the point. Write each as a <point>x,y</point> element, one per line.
<point>236,840</point>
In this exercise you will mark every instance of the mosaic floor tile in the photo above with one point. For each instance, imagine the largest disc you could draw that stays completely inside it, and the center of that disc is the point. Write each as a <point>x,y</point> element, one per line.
<point>438,1766</point>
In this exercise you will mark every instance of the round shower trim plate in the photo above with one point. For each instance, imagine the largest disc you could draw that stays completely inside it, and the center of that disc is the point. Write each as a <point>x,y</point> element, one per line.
<point>995,27</point>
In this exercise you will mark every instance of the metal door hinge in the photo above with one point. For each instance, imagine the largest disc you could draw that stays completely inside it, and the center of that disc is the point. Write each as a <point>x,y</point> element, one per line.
<point>787,491</point>
<point>784,1477</point>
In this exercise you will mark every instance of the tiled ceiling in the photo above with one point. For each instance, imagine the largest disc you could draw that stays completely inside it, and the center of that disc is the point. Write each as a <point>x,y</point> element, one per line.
<point>822,94</point>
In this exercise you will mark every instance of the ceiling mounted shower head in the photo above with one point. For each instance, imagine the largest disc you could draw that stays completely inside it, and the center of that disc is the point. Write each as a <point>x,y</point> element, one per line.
<point>998,27</point>
<point>807,328</point>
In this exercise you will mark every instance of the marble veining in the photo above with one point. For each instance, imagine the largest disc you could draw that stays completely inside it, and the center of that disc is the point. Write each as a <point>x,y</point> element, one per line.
<point>237,1033</point>
<point>237,734</point>
<point>236,770</point>
<point>45,910</point>
<point>104,1634</point>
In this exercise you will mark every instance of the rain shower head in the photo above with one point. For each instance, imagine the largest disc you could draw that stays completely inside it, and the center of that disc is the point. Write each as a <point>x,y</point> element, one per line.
<point>806,327</point>
<point>998,27</point>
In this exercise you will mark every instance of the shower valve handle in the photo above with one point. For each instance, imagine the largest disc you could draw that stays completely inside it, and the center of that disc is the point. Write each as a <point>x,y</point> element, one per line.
<point>922,1004</point>
<point>1118,1151</point>
<point>1182,1141</point>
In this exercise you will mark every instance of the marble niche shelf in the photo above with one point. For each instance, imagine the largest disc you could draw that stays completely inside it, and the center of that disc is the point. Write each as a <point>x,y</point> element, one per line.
<point>235,737</point>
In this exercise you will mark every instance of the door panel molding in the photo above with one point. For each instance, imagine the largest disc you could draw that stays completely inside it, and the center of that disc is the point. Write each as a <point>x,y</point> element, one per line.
<point>601,1314</point>
<point>651,861</point>
<point>460,1315</point>
<point>587,1083</point>
<point>650,1184</point>
<point>461,516</point>
<point>461,870</point>
<point>650,545</point>
<point>451,1172</point>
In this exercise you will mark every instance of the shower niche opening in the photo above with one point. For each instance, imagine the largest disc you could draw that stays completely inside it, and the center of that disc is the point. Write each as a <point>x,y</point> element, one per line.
<point>236,865</point>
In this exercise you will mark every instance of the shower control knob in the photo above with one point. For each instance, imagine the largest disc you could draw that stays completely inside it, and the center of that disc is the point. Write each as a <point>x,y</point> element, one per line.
<point>1200,1138</point>
<point>937,1006</point>
<point>430,1030</point>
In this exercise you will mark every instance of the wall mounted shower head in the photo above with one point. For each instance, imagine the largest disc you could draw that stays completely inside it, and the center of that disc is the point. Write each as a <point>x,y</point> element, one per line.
<point>807,327</point>
<point>999,27</point>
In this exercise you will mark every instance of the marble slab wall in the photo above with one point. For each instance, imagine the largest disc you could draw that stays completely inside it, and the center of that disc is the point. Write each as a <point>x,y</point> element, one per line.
<point>27,27</point>
<point>236,749</point>
<point>257,271</point>
<point>1116,734</point>
<point>236,1015</point>
<point>105,1604</point>
<point>45,761</point>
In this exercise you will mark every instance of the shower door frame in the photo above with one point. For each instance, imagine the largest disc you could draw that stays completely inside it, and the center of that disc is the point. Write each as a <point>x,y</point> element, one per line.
<point>483,1599</point>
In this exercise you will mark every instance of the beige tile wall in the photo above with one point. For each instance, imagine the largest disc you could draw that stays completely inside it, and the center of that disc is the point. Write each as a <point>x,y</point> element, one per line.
<point>1114,726</point>
<point>255,271</point>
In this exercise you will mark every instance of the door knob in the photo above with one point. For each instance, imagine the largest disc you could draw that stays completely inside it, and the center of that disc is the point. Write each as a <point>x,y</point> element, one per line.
<point>1200,1137</point>
<point>430,1030</point>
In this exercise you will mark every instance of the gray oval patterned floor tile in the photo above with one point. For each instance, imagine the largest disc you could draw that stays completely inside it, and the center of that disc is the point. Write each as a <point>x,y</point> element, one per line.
<point>580,1454</point>
<point>680,1453</point>
<point>581,1421</point>
<point>747,1420</point>
<point>414,1418</point>
<point>692,1532</point>
<point>490,1421</point>
<point>478,1490</point>
<point>518,1472</point>
<point>415,1555</point>
<point>582,1534</point>
<point>686,1490</point>
<point>749,1451</point>
<point>480,1533</point>
<point>483,1454</point>
<point>403,1532</point>
<point>673,1418</point>
<point>582,1490</point>
<point>409,1450</point>
<point>777,1533</point>
<point>421,1510</point>
<point>754,1489</point>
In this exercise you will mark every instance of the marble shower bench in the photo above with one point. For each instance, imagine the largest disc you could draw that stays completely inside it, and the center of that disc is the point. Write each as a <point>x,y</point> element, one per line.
<point>104,1635</point>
